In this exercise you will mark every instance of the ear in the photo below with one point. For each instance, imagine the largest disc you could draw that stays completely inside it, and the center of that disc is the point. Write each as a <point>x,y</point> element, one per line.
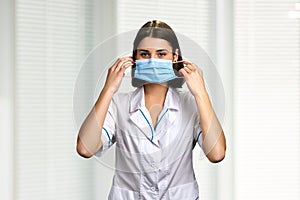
<point>175,56</point>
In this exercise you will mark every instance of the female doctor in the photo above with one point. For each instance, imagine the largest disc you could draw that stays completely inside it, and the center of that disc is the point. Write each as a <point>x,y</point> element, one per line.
<point>155,127</point>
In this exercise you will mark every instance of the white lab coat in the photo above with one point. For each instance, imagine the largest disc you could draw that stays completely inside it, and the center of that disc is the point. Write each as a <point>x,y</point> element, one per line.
<point>152,162</point>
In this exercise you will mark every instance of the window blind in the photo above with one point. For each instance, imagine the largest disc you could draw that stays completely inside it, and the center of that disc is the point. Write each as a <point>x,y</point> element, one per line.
<point>194,19</point>
<point>266,100</point>
<point>52,37</point>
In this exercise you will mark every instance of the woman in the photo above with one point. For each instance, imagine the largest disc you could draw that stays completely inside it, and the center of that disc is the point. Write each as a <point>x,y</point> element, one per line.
<point>154,127</point>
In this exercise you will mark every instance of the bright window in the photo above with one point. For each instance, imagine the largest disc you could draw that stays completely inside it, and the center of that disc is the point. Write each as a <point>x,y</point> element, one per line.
<point>51,37</point>
<point>266,100</point>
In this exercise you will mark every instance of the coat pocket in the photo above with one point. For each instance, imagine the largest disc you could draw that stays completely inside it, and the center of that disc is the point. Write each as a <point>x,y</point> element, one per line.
<point>117,193</point>
<point>189,191</point>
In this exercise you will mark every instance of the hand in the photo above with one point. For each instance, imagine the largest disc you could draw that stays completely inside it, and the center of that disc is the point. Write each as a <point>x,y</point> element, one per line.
<point>194,78</point>
<point>116,72</point>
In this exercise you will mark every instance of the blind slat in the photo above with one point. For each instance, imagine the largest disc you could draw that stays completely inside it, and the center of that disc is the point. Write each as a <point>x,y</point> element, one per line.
<point>50,42</point>
<point>266,100</point>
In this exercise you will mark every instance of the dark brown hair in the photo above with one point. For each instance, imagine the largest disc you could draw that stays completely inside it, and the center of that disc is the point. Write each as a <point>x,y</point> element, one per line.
<point>161,30</point>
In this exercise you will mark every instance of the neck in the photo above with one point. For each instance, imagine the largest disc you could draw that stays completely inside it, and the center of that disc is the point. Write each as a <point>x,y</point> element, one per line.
<point>155,94</point>
<point>155,90</point>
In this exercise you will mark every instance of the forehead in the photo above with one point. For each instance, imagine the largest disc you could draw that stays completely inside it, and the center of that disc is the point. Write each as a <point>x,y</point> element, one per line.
<point>154,43</point>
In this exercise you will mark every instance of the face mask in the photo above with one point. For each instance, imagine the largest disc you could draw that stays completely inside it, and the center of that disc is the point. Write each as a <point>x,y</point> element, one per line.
<point>154,70</point>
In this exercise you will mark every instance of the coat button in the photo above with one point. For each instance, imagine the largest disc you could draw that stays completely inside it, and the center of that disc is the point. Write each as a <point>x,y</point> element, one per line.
<point>153,164</point>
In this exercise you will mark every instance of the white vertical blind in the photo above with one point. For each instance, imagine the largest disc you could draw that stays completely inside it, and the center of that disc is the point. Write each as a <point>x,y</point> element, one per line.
<point>266,100</point>
<point>6,99</point>
<point>52,37</point>
<point>194,19</point>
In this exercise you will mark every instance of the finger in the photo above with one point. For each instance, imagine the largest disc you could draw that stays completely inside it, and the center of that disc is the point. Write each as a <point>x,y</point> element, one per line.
<point>187,69</point>
<point>121,72</point>
<point>183,72</point>
<point>190,65</point>
<point>117,62</point>
<point>123,62</point>
<point>125,66</point>
<point>117,65</point>
<point>113,67</point>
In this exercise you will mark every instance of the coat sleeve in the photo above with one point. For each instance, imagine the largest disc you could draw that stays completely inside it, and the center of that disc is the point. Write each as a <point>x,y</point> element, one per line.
<point>108,130</point>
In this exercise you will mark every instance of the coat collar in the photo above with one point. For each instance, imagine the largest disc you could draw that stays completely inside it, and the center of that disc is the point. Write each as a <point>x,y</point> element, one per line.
<point>137,100</point>
<point>140,116</point>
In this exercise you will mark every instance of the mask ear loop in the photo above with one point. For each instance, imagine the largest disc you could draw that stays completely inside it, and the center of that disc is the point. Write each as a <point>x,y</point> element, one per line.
<point>180,61</point>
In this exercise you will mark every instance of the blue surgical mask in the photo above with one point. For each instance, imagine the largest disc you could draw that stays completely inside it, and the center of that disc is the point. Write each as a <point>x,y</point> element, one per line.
<point>154,70</point>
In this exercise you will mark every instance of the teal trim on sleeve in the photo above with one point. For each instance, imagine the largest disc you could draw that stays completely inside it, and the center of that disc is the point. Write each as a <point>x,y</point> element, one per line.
<point>106,133</point>
<point>195,141</point>
<point>198,136</point>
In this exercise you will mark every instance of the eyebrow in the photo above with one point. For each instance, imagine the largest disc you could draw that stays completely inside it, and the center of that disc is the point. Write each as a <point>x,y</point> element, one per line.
<point>159,50</point>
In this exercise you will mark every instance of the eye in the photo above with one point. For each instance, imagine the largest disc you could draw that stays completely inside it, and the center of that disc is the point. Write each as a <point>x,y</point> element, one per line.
<point>144,54</point>
<point>162,54</point>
